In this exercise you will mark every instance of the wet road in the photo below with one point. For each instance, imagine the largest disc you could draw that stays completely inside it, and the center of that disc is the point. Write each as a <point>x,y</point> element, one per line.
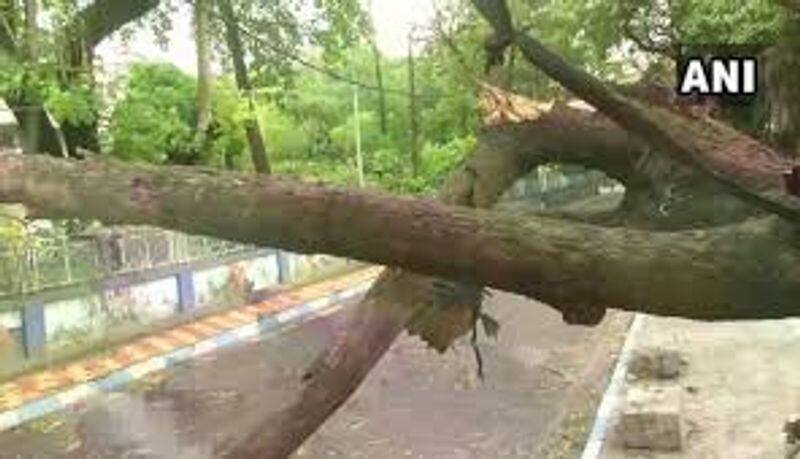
<point>542,380</point>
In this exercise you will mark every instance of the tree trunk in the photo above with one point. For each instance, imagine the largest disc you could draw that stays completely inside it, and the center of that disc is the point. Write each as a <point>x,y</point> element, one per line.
<point>381,91</point>
<point>413,111</point>
<point>92,25</point>
<point>203,43</point>
<point>31,29</point>
<point>38,132</point>
<point>258,150</point>
<point>8,45</point>
<point>401,300</point>
<point>577,268</point>
<point>375,324</point>
<point>783,97</point>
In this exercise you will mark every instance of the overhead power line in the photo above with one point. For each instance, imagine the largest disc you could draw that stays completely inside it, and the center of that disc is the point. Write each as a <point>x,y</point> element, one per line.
<point>327,71</point>
<point>319,68</point>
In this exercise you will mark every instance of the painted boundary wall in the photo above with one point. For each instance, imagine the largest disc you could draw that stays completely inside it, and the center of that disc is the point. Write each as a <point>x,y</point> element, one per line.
<point>33,396</point>
<point>51,321</point>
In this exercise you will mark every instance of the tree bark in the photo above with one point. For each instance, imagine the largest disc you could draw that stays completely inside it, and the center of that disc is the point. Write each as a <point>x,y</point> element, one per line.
<point>374,325</point>
<point>783,97</point>
<point>394,303</point>
<point>258,150</point>
<point>104,17</point>
<point>746,271</point>
<point>38,132</point>
<point>413,112</point>
<point>401,300</point>
<point>376,54</point>
<point>31,29</point>
<point>203,42</point>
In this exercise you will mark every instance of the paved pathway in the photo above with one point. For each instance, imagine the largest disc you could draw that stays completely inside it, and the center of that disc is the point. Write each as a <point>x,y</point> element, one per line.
<point>33,395</point>
<point>542,378</point>
<point>741,383</point>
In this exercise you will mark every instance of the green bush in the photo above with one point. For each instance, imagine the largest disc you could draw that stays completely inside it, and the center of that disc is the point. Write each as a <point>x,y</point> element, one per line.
<point>154,121</point>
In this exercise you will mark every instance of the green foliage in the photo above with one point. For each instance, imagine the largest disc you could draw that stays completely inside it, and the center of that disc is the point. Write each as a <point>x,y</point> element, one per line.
<point>154,121</point>
<point>75,105</point>
<point>228,146</point>
<point>721,21</point>
<point>284,136</point>
<point>308,119</point>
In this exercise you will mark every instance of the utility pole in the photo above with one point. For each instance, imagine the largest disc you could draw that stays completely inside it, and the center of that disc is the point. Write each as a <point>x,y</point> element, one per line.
<point>258,151</point>
<point>412,106</point>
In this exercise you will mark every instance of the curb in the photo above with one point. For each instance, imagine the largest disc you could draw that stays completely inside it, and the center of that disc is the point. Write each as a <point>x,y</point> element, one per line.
<point>215,332</point>
<point>605,412</point>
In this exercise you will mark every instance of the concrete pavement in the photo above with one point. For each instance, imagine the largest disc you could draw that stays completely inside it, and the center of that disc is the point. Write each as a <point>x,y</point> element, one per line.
<point>543,379</point>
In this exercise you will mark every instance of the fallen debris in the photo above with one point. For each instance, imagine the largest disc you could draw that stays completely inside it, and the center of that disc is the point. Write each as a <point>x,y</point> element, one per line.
<point>652,418</point>
<point>655,363</point>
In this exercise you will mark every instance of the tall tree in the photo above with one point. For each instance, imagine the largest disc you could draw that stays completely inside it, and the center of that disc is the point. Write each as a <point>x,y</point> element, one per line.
<point>376,55</point>
<point>258,150</point>
<point>204,77</point>
<point>31,29</point>
<point>413,110</point>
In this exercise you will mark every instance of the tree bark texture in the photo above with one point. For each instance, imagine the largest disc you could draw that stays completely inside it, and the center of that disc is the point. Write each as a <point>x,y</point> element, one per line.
<point>744,271</point>
<point>258,151</point>
<point>398,300</point>
<point>402,300</point>
<point>104,17</point>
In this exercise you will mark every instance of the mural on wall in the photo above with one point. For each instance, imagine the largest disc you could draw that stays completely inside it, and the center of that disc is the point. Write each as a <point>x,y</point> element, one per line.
<point>90,316</point>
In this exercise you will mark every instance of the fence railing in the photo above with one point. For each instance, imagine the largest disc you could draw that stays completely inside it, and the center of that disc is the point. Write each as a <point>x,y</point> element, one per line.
<point>45,263</point>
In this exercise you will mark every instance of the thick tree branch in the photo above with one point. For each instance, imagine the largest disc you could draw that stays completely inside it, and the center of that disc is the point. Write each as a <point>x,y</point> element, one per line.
<point>743,165</point>
<point>397,301</point>
<point>104,17</point>
<point>725,273</point>
<point>400,299</point>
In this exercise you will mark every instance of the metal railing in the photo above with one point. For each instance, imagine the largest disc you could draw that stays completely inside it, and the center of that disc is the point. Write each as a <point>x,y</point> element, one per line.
<point>38,264</point>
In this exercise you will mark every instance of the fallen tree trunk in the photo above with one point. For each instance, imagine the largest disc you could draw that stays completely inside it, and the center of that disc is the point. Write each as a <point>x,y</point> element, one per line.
<point>402,300</point>
<point>346,364</point>
<point>503,155</point>
<point>393,304</point>
<point>711,274</point>
<point>374,325</point>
